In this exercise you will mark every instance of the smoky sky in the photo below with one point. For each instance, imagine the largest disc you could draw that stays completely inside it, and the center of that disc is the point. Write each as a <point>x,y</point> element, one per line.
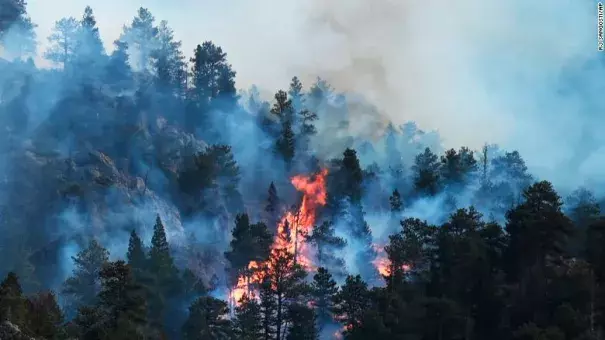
<point>523,74</point>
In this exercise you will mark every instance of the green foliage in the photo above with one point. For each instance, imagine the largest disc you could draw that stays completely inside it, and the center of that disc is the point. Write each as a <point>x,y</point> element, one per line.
<point>286,143</point>
<point>302,323</point>
<point>323,290</point>
<point>426,173</point>
<point>248,320</point>
<point>164,274</point>
<point>250,242</point>
<point>63,41</point>
<point>207,320</point>
<point>12,301</point>
<point>83,286</point>
<point>326,242</point>
<point>44,316</point>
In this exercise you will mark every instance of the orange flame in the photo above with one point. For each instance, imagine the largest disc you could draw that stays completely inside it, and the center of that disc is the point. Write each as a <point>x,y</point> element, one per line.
<point>382,262</point>
<point>291,233</point>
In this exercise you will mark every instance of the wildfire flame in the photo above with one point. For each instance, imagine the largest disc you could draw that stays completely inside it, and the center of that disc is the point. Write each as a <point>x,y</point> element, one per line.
<point>382,262</point>
<point>291,232</point>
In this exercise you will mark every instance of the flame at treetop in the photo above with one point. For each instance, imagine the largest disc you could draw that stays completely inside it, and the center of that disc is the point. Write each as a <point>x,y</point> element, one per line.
<point>382,262</point>
<point>291,232</point>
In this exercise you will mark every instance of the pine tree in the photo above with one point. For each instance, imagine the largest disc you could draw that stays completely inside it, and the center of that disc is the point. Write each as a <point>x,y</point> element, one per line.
<point>396,202</point>
<point>327,243</point>
<point>161,262</point>
<point>284,281</point>
<point>302,323</point>
<point>352,176</point>
<point>122,302</point>
<point>169,62</point>
<point>44,316</point>
<point>538,228</point>
<point>12,302</point>
<point>164,274</point>
<point>207,320</point>
<point>10,12</point>
<point>351,302</point>
<point>282,108</point>
<point>296,94</point>
<point>137,260</point>
<point>324,291</point>
<point>118,73</point>
<point>286,144</point>
<point>82,287</point>
<point>250,242</point>
<point>458,168</point>
<point>63,41</point>
<point>273,207</point>
<point>426,173</point>
<point>89,45</point>
<point>17,35</point>
<point>212,78</point>
<point>141,36</point>
<point>268,303</point>
<point>248,320</point>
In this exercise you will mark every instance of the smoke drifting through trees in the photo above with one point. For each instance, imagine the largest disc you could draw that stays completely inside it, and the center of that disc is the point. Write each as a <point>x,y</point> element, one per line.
<point>143,189</point>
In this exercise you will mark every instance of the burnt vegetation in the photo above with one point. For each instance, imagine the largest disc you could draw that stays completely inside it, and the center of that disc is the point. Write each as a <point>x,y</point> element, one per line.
<point>140,187</point>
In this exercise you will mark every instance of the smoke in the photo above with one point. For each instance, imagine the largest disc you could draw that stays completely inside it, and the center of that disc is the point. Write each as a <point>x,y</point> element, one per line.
<point>524,75</point>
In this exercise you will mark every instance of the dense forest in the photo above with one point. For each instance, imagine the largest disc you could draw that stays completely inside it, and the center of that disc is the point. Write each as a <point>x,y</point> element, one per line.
<point>144,197</point>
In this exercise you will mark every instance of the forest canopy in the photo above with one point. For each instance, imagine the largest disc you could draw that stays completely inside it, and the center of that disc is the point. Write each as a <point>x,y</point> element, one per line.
<point>145,197</point>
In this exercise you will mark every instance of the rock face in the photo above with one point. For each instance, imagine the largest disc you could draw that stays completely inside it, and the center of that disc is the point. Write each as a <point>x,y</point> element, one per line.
<point>52,198</point>
<point>8,331</point>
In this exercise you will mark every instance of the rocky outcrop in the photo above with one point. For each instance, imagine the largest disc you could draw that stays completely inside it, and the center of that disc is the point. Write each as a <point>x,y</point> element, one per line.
<point>9,331</point>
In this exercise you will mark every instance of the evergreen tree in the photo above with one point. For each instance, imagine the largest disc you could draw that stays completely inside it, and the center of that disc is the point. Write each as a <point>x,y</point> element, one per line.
<point>393,154</point>
<point>268,303</point>
<point>17,35</point>
<point>249,243</point>
<point>324,291</point>
<point>458,168</point>
<point>212,78</point>
<point>89,45</point>
<point>10,12</point>
<point>142,39</point>
<point>207,320</point>
<point>296,94</point>
<point>137,259</point>
<point>164,275</point>
<point>396,202</point>
<point>327,243</point>
<point>284,283</point>
<point>282,108</point>
<point>426,173</point>
<point>122,302</point>
<point>273,207</point>
<point>582,207</point>
<point>44,316</point>
<point>348,179</point>
<point>82,287</point>
<point>169,62</point>
<point>63,41</point>
<point>351,302</point>
<point>248,320</point>
<point>301,323</point>
<point>118,73</point>
<point>538,228</point>
<point>12,302</point>
<point>286,144</point>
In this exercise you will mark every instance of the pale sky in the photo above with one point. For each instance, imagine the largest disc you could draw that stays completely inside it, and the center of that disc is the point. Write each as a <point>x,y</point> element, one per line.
<point>476,70</point>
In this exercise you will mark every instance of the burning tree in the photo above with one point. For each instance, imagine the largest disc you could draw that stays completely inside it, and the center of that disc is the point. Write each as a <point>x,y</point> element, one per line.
<point>289,255</point>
